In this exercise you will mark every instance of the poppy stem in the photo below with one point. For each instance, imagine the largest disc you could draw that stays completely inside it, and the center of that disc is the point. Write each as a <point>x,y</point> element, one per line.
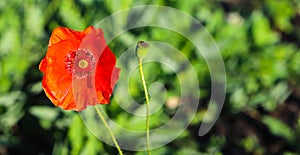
<point>109,130</point>
<point>147,104</point>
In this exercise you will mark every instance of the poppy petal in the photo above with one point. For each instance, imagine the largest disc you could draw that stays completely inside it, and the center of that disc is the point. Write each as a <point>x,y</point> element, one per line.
<point>105,79</point>
<point>61,33</point>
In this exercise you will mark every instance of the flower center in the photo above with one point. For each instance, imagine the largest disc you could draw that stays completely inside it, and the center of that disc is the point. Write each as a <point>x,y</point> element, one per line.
<point>80,63</point>
<point>83,63</point>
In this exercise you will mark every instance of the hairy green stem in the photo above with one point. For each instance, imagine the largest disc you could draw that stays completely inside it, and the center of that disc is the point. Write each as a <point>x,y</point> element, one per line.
<point>147,104</point>
<point>109,130</point>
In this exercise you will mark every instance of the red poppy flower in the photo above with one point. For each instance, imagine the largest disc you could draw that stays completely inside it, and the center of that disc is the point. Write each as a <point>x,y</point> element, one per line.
<point>79,68</point>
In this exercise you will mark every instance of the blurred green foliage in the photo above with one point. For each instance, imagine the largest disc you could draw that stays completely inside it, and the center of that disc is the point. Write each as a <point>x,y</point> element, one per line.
<point>259,42</point>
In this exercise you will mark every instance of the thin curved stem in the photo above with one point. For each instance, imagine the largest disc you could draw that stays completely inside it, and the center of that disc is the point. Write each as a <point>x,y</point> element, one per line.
<point>109,130</point>
<point>147,104</point>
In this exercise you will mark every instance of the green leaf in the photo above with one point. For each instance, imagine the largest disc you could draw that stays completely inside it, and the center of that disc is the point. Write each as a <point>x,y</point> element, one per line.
<point>262,33</point>
<point>93,145</point>
<point>290,153</point>
<point>188,150</point>
<point>278,127</point>
<point>43,112</point>
<point>76,134</point>
<point>70,14</point>
<point>282,12</point>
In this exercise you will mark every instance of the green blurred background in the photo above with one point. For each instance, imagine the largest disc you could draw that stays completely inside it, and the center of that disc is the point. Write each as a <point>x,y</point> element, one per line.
<point>259,41</point>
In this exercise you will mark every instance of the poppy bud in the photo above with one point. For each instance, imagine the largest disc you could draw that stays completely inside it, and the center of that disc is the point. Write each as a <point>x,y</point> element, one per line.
<point>141,49</point>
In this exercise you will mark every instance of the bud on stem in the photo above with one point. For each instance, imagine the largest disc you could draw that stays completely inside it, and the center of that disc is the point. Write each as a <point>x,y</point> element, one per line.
<point>141,49</point>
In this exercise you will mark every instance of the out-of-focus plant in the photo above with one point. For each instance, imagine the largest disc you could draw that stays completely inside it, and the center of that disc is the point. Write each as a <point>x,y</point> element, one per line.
<point>259,41</point>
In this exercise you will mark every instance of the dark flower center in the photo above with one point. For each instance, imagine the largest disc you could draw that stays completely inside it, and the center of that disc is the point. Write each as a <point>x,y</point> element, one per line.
<point>80,62</point>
